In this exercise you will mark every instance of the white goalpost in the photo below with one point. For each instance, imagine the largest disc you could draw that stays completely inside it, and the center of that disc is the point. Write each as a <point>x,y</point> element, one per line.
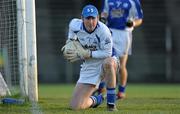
<point>18,55</point>
<point>32,50</point>
<point>22,47</point>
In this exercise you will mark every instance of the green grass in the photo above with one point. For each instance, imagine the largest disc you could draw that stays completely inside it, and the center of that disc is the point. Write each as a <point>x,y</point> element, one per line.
<point>141,99</point>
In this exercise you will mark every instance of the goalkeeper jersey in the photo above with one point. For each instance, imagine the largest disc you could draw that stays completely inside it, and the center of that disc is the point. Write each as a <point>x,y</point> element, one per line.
<point>99,41</point>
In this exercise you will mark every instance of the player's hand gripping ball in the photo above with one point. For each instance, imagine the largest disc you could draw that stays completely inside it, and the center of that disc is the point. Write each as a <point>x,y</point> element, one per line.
<point>73,51</point>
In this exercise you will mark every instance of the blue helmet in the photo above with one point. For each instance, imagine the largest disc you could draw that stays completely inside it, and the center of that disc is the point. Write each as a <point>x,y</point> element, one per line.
<point>89,10</point>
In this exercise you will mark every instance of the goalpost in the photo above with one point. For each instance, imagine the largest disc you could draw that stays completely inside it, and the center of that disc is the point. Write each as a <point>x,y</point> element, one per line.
<point>18,58</point>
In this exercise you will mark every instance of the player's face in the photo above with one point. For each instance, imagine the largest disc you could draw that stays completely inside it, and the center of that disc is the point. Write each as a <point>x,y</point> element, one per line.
<point>90,23</point>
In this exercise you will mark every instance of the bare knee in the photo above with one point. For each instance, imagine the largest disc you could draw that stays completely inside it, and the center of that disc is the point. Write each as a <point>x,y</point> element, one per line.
<point>75,105</point>
<point>109,67</point>
<point>109,64</point>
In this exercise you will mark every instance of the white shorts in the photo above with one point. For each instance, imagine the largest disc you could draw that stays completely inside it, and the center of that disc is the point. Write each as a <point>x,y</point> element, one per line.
<point>92,73</point>
<point>122,42</point>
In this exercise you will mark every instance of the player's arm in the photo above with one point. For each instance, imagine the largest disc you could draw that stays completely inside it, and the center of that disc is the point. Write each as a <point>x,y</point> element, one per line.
<point>104,13</point>
<point>135,15</point>
<point>103,17</point>
<point>103,53</point>
<point>137,22</point>
<point>134,23</point>
<point>105,46</point>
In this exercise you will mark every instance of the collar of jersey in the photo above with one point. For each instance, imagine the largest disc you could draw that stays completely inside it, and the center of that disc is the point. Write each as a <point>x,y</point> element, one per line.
<point>84,28</point>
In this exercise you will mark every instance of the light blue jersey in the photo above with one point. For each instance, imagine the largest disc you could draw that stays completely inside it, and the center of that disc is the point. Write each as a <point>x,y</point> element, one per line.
<point>120,11</point>
<point>99,41</point>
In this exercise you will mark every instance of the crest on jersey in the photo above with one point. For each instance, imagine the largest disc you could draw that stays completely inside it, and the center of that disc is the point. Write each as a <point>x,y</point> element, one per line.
<point>125,5</point>
<point>91,44</point>
<point>116,13</point>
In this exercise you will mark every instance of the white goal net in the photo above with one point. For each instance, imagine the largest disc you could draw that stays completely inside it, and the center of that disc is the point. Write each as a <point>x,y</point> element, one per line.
<point>18,47</point>
<point>8,43</point>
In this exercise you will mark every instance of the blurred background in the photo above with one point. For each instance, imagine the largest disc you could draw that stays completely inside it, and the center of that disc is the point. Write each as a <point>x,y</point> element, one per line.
<point>156,49</point>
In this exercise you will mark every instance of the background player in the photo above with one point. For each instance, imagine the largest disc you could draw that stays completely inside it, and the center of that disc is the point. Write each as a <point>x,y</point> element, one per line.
<point>121,16</point>
<point>96,38</point>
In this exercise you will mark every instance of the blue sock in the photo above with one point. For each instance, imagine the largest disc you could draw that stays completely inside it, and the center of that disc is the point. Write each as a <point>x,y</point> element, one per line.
<point>111,95</point>
<point>97,100</point>
<point>101,86</point>
<point>121,88</point>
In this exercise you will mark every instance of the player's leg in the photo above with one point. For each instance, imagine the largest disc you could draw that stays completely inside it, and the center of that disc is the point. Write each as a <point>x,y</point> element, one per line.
<point>102,87</point>
<point>127,41</point>
<point>109,71</point>
<point>123,77</point>
<point>82,98</point>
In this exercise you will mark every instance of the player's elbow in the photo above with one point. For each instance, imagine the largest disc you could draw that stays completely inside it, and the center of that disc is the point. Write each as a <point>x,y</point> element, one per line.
<point>138,22</point>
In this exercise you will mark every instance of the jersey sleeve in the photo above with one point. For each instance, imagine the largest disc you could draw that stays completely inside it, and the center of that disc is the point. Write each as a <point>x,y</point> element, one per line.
<point>73,28</point>
<point>105,46</point>
<point>139,9</point>
<point>105,7</point>
<point>136,10</point>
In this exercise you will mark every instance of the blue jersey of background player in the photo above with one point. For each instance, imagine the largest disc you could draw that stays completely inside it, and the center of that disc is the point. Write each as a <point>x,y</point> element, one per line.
<point>121,16</point>
<point>120,12</point>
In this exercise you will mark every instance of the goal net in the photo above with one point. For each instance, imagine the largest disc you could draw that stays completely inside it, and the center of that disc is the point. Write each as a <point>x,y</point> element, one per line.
<point>8,44</point>
<point>15,44</point>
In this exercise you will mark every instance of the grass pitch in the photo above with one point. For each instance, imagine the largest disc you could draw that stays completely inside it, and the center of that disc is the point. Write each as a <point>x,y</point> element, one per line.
<point>141,99</point>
